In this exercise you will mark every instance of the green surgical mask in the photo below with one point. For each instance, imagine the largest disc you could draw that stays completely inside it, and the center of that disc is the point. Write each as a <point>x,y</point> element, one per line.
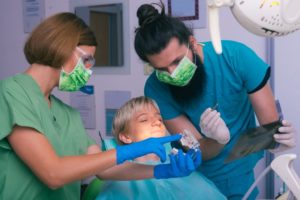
<point>76,79</point>
<point>181,76</point>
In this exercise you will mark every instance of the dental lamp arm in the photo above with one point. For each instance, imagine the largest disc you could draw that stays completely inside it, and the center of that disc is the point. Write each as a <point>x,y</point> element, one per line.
<point>213,20</point>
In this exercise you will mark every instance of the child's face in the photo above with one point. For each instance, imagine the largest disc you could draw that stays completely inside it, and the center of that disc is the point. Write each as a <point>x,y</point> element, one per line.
<point>146,123</point>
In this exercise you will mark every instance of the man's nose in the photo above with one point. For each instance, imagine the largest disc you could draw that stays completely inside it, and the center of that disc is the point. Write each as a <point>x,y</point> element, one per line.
<point>170,69</point>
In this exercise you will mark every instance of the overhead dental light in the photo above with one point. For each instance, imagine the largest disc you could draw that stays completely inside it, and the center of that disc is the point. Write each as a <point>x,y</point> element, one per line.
<point>269,18</point>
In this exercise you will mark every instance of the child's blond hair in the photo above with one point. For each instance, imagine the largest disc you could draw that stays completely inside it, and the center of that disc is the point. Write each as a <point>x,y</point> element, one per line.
<point>125,113</point>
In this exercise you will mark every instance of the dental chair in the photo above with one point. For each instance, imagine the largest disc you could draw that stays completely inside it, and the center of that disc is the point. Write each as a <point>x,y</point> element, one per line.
<point>283,167</point>
<point>93,189</point>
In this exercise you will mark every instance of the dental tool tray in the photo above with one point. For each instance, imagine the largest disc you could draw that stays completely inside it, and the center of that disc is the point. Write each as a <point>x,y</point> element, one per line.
<point>254,140</point>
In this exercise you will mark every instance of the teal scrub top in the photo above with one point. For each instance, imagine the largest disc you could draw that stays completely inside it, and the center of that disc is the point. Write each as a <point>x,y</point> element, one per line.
<point>193,187</point>
<point>22,103</point>
<point>230,77</point>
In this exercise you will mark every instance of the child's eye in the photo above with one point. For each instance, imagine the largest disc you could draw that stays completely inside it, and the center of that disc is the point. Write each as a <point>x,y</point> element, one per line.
<point>143,120</point>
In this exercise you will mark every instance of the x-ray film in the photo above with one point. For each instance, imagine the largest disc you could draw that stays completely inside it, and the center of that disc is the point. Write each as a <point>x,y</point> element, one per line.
<point>254,140</point>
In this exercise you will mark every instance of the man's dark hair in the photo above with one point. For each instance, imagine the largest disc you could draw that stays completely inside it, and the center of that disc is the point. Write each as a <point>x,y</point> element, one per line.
<point>156,30</point>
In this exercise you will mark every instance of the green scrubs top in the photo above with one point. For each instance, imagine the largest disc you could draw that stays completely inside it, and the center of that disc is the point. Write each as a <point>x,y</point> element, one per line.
<point>22,103</point>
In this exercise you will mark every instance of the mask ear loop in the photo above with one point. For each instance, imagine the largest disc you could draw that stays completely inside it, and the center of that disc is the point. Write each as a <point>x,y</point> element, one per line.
<point>194,55</point>
<point>81,50</point>
<point>193,52</point>
<point>78,60</point>
<point>188,47</point>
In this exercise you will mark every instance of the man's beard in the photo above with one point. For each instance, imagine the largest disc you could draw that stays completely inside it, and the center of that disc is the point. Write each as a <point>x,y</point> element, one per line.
<point>186,94</point>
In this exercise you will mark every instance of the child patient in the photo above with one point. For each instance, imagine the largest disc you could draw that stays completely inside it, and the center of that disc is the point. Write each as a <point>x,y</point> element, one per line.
<point>139,119</point>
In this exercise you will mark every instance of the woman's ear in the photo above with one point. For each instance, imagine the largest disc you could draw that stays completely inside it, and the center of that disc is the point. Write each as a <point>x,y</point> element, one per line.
<point>125,138</point>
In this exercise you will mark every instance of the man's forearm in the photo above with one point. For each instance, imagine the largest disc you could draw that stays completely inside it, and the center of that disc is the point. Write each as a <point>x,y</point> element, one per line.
<point>210,148</point>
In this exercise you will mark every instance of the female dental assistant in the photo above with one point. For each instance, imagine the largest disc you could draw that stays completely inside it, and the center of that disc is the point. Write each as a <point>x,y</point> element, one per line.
<point>44,149</point>
<point>190,78</point>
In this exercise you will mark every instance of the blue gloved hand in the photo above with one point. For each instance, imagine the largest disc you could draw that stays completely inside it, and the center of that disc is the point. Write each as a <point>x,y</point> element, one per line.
<point>151,145</point>
<point>180,165</point>
<point>196,155</point>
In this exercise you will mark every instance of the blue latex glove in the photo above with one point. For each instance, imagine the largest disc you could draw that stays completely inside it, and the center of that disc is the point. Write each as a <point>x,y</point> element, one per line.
<point>196,155</point>
<point>180,165</point>
<point>151,145</point>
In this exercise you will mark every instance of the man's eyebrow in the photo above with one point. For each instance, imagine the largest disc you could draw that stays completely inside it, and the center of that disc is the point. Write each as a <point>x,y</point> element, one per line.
<point>174,61</point>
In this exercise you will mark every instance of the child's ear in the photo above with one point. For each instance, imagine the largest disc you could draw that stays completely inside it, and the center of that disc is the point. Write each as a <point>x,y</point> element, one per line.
<point>125,138</point>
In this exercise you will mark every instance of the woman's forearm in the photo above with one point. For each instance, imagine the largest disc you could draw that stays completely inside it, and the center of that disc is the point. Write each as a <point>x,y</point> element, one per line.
<point>53,170</point>
<point>128,171</point>
<point>73,168</point>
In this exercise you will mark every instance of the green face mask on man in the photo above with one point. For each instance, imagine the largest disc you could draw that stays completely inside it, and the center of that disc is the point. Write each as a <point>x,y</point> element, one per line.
<point>181,76</point>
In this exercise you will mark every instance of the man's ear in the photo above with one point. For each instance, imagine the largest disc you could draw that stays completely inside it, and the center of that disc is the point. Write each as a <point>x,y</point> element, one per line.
<point>125,138</point>
<point>193,43</point>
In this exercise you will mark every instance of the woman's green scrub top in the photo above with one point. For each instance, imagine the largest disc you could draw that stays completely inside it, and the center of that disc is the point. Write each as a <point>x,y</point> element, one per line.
<point>22,104</point>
